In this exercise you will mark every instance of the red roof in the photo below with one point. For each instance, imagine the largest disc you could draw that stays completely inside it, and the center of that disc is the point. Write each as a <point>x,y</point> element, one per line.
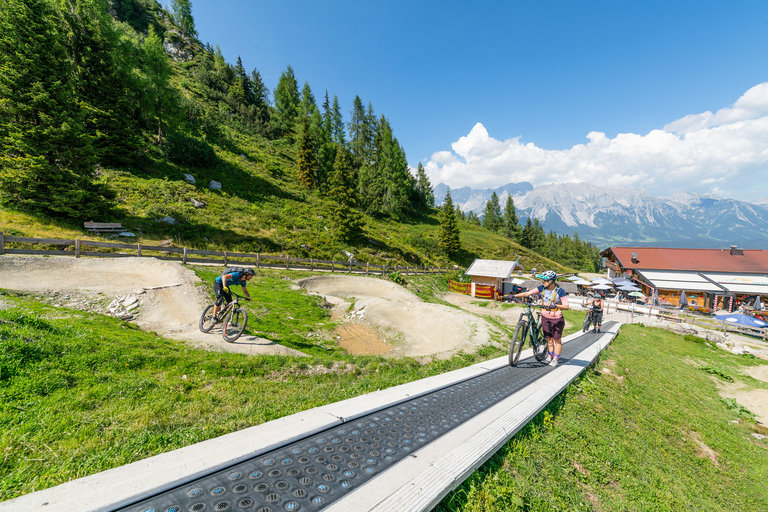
<point>699,260</point>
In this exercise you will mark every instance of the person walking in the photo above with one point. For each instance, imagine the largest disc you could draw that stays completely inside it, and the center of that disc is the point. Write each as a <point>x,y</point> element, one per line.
<point>596,311</point>
<point>554,300</point>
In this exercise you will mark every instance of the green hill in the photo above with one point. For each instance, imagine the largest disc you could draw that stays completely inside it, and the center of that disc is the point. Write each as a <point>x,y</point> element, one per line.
<point>106,112</point>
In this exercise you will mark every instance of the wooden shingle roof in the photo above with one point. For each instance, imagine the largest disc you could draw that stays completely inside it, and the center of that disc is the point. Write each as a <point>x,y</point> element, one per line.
<point>492,268</point>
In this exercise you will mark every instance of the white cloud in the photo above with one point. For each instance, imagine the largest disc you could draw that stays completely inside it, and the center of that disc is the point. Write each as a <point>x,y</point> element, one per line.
<point>723,153</point>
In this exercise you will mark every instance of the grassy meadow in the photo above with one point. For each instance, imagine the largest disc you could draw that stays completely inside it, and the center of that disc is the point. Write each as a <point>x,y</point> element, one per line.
<point>644,430</point>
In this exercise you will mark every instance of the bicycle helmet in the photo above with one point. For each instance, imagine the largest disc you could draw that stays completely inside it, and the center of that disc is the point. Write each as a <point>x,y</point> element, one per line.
<point>250,271</point>
<point>549,275</point>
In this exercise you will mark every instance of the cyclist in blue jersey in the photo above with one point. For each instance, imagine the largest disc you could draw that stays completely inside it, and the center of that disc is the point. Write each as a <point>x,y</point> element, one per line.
<point>221,287</point>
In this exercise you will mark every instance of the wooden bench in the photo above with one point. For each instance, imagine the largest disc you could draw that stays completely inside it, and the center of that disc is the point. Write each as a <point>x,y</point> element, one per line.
<point>103,227</point>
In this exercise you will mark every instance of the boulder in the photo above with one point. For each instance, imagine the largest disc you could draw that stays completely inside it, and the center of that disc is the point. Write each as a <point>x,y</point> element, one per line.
<point>127,233</point>
<point>167,220</point>
<point>214,185</point>
<point>189,179</point>
<point>196,203</point>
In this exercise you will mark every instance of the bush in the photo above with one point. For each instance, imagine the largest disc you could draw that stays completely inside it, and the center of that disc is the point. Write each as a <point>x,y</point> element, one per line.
<point>186,150</point>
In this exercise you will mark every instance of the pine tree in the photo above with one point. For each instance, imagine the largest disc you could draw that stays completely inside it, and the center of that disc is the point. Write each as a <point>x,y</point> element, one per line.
<point>45,156</point>
<point>104,79</point>
<point>182,14</point>
<point>511,223</point>
<point>424,187</point>
<point>449,228</point>
<point>337,123</point>
<point>527,235</point>
<point>342,190</point>
<point>307,163</point>
<point>492,214</point>
<point>358,132</point>
<point>260,95</point>
<point>287,106</point>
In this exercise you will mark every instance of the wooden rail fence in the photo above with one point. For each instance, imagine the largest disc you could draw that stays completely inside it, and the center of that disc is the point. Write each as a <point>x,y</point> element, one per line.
<point>77,248</point>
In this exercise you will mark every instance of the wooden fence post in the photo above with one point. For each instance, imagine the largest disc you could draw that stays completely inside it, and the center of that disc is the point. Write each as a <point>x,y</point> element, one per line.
<point>311,264</point>
<point>286,262</point>
<point>333,269</point>
<point>138,250</point>
<point>184,258</point>
<point>225,258</point>
<point>77,248</point>
<point>367,267</point>
<point>2,243</point>
<point>258,261</point>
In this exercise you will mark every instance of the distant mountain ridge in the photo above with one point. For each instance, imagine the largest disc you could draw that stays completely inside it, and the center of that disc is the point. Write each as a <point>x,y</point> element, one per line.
<point>606,215</point>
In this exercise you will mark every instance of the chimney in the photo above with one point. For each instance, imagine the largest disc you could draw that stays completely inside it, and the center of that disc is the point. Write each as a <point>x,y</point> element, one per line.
<point>735,251</point>
<point>634,258</point>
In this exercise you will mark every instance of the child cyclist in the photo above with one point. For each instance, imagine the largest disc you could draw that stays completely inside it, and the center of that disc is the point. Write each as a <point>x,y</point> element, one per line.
<point>554,299</point>
<point>222,283</point>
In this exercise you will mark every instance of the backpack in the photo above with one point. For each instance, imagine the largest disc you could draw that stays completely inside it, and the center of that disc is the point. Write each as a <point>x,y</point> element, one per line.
<point>234,269</point>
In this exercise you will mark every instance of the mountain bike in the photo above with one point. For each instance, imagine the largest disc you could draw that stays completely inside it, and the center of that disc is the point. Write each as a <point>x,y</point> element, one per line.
<point>528,327</point>
<point>232,315</point>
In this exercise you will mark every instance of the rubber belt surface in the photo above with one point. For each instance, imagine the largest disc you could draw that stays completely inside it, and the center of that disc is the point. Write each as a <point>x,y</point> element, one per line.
<point>309,474</point>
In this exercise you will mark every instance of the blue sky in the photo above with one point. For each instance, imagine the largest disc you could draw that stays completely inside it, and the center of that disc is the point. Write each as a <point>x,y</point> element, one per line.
<point>487,93</point>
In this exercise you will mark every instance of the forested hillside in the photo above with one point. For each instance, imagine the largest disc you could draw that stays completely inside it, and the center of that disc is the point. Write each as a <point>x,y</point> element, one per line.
<point>115,111</point>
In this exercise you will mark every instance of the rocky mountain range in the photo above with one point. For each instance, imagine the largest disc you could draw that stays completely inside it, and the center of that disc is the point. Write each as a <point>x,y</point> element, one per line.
<point>606,215</point>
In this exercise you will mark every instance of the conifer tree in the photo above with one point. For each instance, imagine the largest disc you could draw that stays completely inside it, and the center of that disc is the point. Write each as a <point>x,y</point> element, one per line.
<point>337,123</point>
<point>358,132</point>
<point>449,228</point>
<point>424,187</point>
<point>492,214</point>
<point>342,190</point>
<point>286,110</point>
<point>527,235</point>
<point>182,14</point>
<point>45,157</point>
<point>306,160</point>
<point>511,223</point>
<point>260,95</point>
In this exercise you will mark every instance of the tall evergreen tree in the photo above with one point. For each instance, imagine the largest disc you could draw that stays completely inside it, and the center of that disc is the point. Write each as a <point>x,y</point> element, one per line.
<point>511,223</point>
<point>337,123</point>
<point>306,160</point>
<point>492,214</point>
<point>182,14</point>
<point>358,132</point>
<point>45,156</point>
<point>286,105</point>
<point>342,190</point>
<point>527,235</point>
<point>449,228</point>
<point>260,95</point>
<point>424,187</point>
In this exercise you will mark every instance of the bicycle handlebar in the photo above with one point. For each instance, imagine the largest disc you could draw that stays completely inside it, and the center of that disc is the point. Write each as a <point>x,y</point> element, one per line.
<point>240,296</point>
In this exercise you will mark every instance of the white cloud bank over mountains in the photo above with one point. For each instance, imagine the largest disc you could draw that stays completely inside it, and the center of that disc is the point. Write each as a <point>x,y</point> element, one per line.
<point>722,154</point>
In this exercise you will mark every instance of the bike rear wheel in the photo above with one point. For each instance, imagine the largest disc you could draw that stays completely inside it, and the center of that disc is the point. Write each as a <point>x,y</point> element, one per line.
<point>207,320</point>
<point>518,338</point>
<point>235,325</point>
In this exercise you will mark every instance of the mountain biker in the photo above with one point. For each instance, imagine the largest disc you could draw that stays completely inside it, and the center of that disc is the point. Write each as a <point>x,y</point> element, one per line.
<point>554,299</point>
<point>221,287</point>
<point>596,312</point>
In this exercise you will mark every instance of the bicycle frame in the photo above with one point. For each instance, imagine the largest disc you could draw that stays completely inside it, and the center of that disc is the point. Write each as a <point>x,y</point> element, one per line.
<point>528,328</point>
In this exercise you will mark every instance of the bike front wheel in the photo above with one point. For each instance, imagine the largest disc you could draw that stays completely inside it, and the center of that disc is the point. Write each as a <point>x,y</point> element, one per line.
<point>539,345</point>
<point>207,320</point>
<point>518,338</point>
<point>235,325</point>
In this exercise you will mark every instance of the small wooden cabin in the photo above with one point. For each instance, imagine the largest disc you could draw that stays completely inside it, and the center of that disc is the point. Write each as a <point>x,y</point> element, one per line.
<point>492,273</point>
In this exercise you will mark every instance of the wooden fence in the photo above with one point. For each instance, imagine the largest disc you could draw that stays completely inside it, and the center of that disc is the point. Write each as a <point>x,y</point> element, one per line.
<point>77,248</point>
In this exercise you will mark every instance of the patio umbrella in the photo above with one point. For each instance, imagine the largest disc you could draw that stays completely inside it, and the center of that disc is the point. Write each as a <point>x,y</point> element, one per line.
<point>621,281</point>
<point>757,304</point>
<point>683,299</point>
<point>628,288</point>
<point>738,318</point>
<point>637,294</point>
<point>583,282</point>
<point>602,287</point>
<point>574,278</point>
<point>601,280</point>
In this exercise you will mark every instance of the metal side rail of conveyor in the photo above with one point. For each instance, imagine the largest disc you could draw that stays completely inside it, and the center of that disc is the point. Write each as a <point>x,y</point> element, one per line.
<point>402,448</point>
